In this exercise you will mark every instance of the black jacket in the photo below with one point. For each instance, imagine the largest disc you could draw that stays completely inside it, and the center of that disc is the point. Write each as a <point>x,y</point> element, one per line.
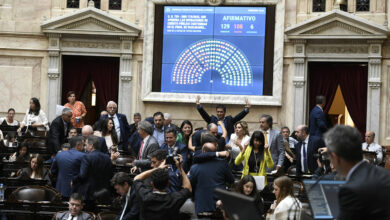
<point>57,134</point>
<point>366,195</point>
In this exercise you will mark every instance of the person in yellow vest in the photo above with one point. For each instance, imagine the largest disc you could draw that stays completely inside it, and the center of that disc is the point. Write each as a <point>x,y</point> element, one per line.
<point>257,156</point>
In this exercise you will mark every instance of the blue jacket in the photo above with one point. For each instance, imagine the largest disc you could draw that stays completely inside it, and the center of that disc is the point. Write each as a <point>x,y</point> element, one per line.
<point>183,150</point>
<point>205,177</point>
<point>95,174</point>
<point>66,165</point>
<point>125,130</point>
<point>317,122</point>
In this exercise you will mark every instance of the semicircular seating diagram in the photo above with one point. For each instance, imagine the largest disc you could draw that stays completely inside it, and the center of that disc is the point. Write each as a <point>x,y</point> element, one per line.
<point>212,54</point>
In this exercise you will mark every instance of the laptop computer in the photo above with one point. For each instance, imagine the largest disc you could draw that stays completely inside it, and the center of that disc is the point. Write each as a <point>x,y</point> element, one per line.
<point>238,206</point>
<point>323,197</point>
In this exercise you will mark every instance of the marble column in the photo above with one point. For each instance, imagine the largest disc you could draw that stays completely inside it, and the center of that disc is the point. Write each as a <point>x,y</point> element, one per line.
<point>373,96</point>
<point>125,76</point>
<point>374,86</point>
<point>299,82</point>
<point>53,74</point>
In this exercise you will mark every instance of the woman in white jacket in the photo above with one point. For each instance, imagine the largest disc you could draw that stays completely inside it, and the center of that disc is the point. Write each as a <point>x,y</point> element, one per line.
<point>285,199</point>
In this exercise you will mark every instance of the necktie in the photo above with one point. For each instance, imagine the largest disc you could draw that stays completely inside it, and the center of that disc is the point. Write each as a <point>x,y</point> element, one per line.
<point>265,137</point>
<point>72,217</point>
<point>140,150</point>
<point>124,208</point>
<point>367,146</point>
<point>304,157</point>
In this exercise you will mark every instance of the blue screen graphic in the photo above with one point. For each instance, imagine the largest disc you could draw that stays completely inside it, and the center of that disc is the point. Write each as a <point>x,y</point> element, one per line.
<point>215,50</point>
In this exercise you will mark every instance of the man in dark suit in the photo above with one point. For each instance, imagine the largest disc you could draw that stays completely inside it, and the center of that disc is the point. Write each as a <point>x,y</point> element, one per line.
<point>67,165</point>
<point>366,194</point>
<point>59,130</point>
<point>75,210</point>
<point>317,122</point>
<point>122,127</point>
<point>228,121</point>
<point>170,145</point>
<point>148,145</point>
<point>307,146</point>
<point>122,183</point>
<point>95,173</point>
<point>207,176</point>
<point>274,140</point>
<point>134,126</point>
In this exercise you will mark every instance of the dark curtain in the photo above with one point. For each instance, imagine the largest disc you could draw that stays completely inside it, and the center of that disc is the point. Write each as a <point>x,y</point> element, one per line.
<point>104,71</point>
<point>75,76</point>
<point>106,79</point>
<point>355,94</point>
<point>322,82</point>
<point>352,78</point>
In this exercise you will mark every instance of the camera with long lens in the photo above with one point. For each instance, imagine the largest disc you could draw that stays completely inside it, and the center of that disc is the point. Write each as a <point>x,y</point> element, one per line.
<point>322,157</point>
<point>174,155</point>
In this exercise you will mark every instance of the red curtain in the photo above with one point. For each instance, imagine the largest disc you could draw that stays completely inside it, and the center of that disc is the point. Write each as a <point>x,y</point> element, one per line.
<point>75,76</point>
<point>322,82</point>
<point>106,79</point>
<point>355,94</point>
<point>104,71</point>
<point>352,78</point>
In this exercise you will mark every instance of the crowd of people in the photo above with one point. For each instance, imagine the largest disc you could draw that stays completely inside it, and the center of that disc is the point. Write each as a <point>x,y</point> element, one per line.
<point>173,164</point>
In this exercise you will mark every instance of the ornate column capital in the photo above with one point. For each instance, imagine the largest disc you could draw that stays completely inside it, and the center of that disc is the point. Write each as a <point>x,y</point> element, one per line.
<point>299,83</point>
<point>375,85</point>
<point>299,60</point>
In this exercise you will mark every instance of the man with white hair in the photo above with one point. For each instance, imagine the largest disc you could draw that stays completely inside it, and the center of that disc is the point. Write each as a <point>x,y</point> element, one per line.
<point>121,125</point>
<point>59,130</point>
<point>168,122</point>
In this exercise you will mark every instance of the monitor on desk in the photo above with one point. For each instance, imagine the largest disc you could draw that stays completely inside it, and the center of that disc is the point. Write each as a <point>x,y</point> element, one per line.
<point>323,197</point>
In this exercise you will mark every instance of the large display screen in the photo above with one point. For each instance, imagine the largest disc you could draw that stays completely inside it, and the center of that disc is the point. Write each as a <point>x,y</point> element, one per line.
<point>214,50</point>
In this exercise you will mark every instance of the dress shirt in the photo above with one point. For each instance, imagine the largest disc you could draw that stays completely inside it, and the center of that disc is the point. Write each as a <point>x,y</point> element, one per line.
<point>306,141</point>
<point>292,142</point>
<point>159,135</point>
<point>145,140</point>
<point>117,125</point>
<point>374,147</point>
<point>125,206</point>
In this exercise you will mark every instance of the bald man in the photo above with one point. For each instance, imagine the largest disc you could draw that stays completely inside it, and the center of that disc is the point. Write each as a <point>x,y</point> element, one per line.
<point>371,146</point>
<point>87,131</point>
<point>307,146</point>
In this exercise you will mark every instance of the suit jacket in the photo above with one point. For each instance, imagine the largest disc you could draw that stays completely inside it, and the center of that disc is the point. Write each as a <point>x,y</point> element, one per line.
<point>205,177</point>
<point>66,165</point>
<point>317,122</point>
<point>125,128</point>
<point>57,134</point>
<point>276,148</point>
<point>366,195</point>
<point>183,150</point>
<point>103,145</point>
<point>149,147</point>
<point>228,121</point>
<point>95,174</point>
<point>65,216</point>
<point>132,208</point>
<point>312,148</point>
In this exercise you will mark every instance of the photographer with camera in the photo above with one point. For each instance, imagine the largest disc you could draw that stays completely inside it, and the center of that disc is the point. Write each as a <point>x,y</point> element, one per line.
<point>174,148</point>
<point>306,149</point>
<point>156,202</point>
